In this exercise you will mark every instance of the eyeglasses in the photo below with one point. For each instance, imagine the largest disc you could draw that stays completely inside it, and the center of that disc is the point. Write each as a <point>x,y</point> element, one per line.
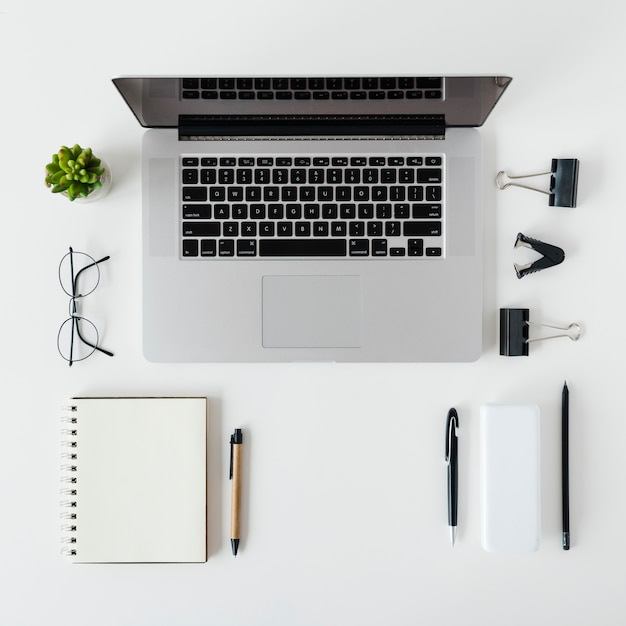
<point>78,337</point>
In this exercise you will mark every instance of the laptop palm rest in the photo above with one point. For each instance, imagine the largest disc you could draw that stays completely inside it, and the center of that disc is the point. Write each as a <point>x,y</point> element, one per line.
<point>311,311</point>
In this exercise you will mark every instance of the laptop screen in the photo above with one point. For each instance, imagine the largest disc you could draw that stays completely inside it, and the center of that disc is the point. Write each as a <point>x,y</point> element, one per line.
<point>162,102</point>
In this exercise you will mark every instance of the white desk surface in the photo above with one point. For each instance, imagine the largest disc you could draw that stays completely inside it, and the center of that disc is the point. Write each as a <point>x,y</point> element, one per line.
<point>345,495</point>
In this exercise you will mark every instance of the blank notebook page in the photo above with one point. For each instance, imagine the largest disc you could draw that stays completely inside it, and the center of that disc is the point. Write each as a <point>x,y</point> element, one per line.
<point>140,490</point>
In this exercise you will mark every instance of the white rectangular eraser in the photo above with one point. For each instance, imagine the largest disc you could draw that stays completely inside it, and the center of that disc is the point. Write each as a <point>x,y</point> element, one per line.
<point>510,477</point>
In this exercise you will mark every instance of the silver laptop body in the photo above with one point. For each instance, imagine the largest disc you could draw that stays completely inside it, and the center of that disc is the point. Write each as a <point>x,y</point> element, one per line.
<point>222,283</point>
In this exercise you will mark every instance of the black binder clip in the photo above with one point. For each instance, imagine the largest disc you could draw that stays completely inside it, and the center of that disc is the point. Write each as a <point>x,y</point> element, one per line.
<point>563,182</point>
<point>552,255</point>
<point>514,326</point>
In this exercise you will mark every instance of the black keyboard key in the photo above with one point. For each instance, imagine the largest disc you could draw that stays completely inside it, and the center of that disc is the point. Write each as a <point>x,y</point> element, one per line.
<point>392,229</point>
<point>196,211</point>
<point>208,247</point>
<point>357,229</point>
<point>235,194</point>
<point>294,211</point>
<point>246,247</point>
<point>201,229</point>
<point>307,194</point>
<point>302,247</point>
<point>226,176</point>
<point>208,177</point>
<point>266,229</point>
<point>432,161</point>
<point>240,211</point>
<point>338,229</point>
<point>334,176</point>
<point>426,211</point>
<point>226,247</point>
<point>352,176</point>
<point>312,211</point>
<point>302,229</point>
<point>217,194</point>
<point>190,247</point>
<point>416,247</point>
<point>433,194</point>
<point>253,194</point>
<point>194,194</point>
<point>422,229</point>
<point>231,229</point>
<point>359,247</point>
<point>415,193</point>
<point>284,229</point>
<point>401,211</point>
<point>433,251</point>
<point>329,211</point>
<point>280,176</point>
<point>374,229</point>
<point>407,175</point>
<point>379,247</point>
<point>320,229</point>
<point>275,211</point>
<point>431,175</point>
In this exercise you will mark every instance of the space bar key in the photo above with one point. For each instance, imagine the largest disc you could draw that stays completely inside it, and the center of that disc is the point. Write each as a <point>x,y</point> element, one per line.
<point>302,247</point>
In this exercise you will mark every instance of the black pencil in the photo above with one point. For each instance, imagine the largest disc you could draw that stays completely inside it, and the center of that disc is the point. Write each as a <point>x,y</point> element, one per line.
<point>565,463</point>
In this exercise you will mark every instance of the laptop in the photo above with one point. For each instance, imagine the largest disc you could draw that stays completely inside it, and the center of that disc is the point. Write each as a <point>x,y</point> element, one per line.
<point>316,218</point>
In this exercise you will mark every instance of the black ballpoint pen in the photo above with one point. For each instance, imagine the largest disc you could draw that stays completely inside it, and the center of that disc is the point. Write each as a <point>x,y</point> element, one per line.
<point>565,463</point>
<point>452,461</point>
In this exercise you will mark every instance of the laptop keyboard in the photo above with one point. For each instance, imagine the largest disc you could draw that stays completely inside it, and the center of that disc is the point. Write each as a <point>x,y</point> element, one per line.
<point>240,207</point>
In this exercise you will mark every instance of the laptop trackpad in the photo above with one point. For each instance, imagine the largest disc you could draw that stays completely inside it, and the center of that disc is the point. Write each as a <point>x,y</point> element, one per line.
<point>311,311</point>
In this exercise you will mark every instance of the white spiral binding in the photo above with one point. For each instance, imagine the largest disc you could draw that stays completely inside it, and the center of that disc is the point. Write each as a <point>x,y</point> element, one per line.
<point>69,479</point>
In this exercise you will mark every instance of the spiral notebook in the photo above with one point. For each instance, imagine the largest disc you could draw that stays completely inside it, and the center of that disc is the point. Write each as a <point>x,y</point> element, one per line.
<point>134,480</point>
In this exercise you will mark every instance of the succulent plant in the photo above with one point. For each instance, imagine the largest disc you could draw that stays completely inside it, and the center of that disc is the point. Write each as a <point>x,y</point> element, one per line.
<point>75,171</point>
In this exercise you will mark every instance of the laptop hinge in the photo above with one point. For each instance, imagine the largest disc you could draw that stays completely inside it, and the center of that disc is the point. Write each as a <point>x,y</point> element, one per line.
<point>239,127</point>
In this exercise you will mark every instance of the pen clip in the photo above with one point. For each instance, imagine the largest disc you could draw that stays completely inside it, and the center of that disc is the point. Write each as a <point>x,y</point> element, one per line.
<point>235,438</point>
<point>452,422</point>
<point>232,441</point>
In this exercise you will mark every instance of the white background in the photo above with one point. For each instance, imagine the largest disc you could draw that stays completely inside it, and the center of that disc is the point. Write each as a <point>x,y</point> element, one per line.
<point>345,491</point>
